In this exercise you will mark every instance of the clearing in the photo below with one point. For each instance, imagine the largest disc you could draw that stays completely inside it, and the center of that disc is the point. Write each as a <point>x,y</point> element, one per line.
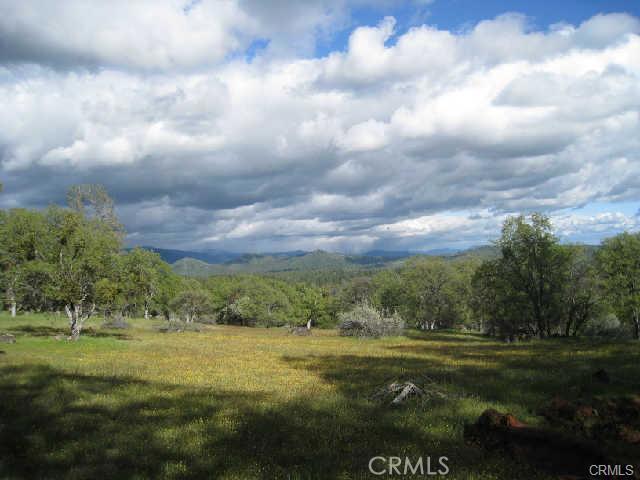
<point>237,402</point>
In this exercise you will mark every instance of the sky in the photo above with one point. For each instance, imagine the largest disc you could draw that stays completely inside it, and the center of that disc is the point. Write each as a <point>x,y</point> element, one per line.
<point>261,126</point>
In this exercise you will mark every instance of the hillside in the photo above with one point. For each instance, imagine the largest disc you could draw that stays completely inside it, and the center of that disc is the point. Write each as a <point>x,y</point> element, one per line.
<point>207,256</point>
<point>313,261</point>
<point>301,264</point>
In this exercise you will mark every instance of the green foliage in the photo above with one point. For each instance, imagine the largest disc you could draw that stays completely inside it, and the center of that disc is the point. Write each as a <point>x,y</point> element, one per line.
<point>143,275</point>
<point>523,288</point>
<point>191,303</point>
<point>581,290</point>
<point>527,283</point>
<point>537,286</point>
<point>253,300</point>
<point>619,262</point>
<point>25,246</point>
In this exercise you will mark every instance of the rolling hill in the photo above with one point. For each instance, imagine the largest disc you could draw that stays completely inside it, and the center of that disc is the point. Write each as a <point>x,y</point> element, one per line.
<point>252,263</point>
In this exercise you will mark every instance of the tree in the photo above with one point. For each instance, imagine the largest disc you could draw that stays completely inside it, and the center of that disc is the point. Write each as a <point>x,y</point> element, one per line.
<point>485,296</point>
<point>356,291</point>
<point>580,290</point>
<point>389,292</point>
<point>532,263</point>
<point>192,302</point>
<point>23,244</point>
<point>143,271</point>
<point>168,289</point>
<point>462,291</point>
<point>109,296</point>
<point>85,252</point>
<point>619,264</point>
<point>92,201</point>
<point>429,297</point>
<point>311,306</point>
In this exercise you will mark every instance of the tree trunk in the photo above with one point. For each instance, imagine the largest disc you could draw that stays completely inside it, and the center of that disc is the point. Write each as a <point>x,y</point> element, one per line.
<point>636,325</point>
<point>77,318</point>
<point>567,328</point>
<point>12,301</point>
<point>72,314</point>
<point>309,325</point>
<point>146,313</point>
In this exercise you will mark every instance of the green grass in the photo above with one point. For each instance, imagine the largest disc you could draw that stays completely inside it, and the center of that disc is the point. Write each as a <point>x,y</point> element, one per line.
<point>232,402</point>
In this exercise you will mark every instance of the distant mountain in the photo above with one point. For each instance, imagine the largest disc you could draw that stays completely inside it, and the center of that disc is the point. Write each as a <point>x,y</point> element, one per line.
<point>483,252</point>
<point>442,252</point>
<point>255,263</point>
<point>304,264</point>
<point>209,256</point>
<point>388,254</point>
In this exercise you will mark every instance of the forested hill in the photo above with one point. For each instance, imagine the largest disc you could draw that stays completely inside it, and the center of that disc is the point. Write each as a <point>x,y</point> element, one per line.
<point>210,256</point>
<point>313,261</point>
<point>205,264</point>
<point>318,260</point>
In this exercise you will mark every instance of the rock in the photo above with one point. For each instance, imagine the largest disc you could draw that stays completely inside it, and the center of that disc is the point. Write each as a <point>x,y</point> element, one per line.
<point>547,450</point>
<point>7,338</point>
<point>558,409</point>
<point>628,434</point>
<point>585,411</point>
<point>602,376</point>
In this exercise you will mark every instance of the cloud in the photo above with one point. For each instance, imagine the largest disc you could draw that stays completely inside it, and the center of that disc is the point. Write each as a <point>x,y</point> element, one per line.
<point>404,139</point>
<point>167,35</point>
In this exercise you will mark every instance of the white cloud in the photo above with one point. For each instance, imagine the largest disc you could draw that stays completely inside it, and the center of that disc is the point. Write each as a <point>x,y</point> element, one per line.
<point>145,34</point>
<point>374,145</point>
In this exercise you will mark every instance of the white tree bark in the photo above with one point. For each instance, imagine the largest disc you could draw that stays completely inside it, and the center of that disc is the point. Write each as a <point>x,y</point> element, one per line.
<point>77,318</point>
<point>12,301</point>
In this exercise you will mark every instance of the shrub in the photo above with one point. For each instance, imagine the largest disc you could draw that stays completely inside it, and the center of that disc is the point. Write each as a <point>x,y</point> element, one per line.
<point>606,326</point>
<point>365,321</point>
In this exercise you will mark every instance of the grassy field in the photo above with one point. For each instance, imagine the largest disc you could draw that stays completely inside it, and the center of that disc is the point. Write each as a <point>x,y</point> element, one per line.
<point>232,402</point>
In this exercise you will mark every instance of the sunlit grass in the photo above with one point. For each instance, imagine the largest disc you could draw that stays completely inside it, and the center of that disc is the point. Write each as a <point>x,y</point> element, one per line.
<point>233,402</point>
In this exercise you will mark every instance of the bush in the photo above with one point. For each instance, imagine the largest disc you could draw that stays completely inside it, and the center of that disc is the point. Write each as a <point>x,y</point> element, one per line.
<point>366,321</point>
<point>607,326</point>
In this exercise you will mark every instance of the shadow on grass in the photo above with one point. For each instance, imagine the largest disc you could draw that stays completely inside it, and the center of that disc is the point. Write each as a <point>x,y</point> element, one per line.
<point>55,424</point>
<point>527,373</point>
<point>519,379</point>
<point>46,331</point>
